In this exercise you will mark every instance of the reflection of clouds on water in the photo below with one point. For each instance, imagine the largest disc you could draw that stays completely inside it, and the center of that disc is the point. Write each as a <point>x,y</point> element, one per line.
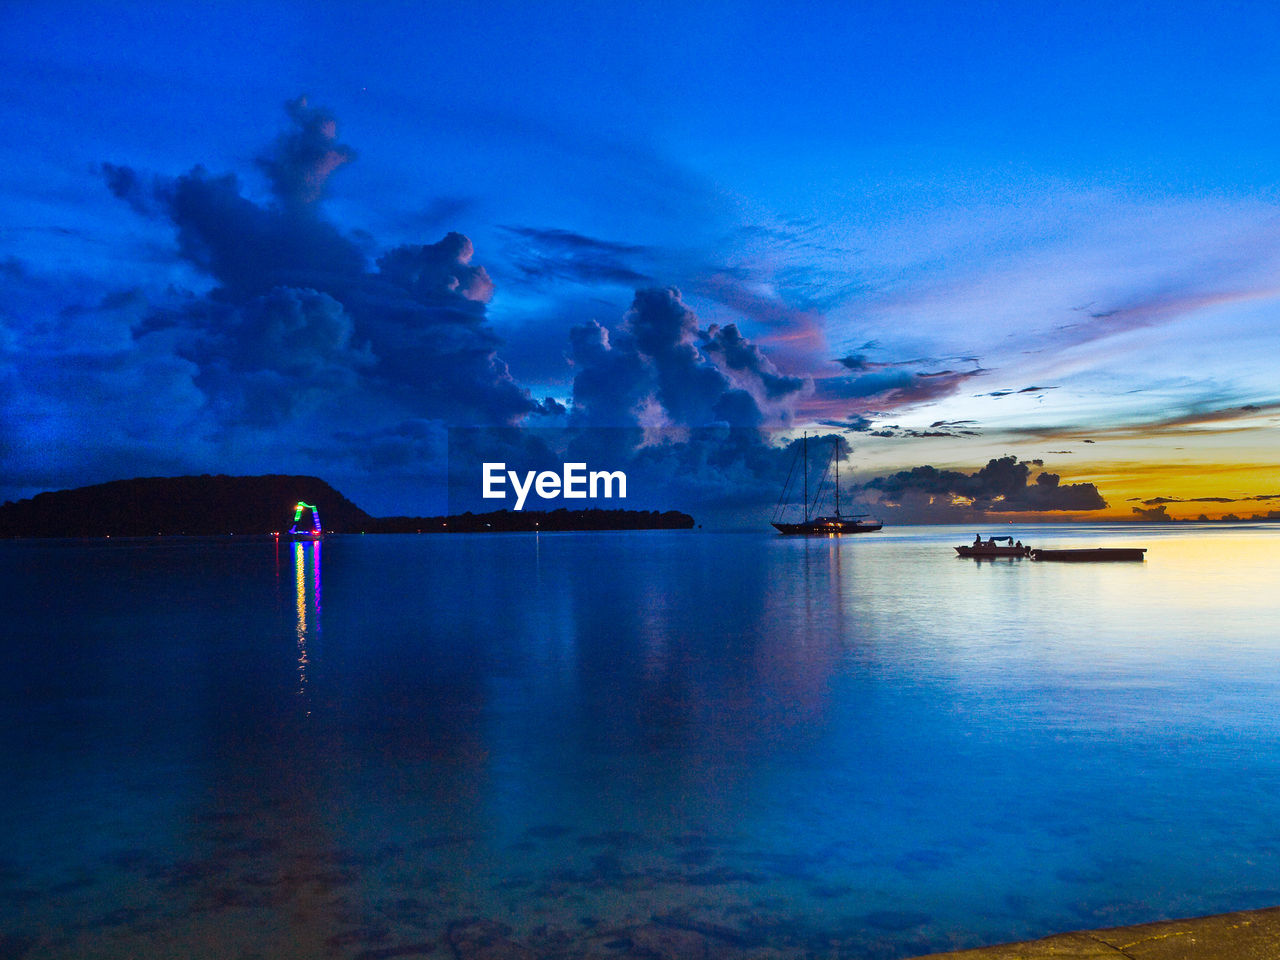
<point>727,745</point>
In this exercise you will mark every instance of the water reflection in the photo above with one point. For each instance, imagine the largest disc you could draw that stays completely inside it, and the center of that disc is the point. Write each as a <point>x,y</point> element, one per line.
<point>306,559</point>
<point>597,740</point>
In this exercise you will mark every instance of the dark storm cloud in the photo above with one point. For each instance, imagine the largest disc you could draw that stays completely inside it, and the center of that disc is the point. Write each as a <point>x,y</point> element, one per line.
<point>300,348</point>
<point>1003,485</point>
<point>83,395</point>
<point>686,407</point>
<point>266,358</point>
<point>735,353</point>
<point>658,369</point>
<point>610,381</point>
<point>688,386</point>
<point>249,248</point>
<point>438,273</point>
<point>415,327</point>
<point>1154,513</point>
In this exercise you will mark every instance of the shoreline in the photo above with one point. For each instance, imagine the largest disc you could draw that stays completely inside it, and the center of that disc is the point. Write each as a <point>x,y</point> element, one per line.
<point>1240,935</point>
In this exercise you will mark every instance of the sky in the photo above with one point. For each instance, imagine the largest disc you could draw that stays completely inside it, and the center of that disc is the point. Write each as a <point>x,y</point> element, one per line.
<point>1023,259</point>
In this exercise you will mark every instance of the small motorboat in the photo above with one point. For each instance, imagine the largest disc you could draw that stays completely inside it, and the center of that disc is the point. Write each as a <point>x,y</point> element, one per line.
<point>993,547</point>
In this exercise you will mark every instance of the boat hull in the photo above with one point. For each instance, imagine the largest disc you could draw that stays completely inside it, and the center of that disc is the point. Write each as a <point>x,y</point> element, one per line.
<point>991,553</point>
<point>826,527</point>
<point>1097,554</point>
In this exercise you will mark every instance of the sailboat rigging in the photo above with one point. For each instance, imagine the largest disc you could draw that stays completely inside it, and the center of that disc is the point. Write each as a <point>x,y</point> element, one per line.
<point>825,524</point>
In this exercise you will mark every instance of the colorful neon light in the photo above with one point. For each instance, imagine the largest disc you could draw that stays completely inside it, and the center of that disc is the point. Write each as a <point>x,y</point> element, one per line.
<point>297,515</point>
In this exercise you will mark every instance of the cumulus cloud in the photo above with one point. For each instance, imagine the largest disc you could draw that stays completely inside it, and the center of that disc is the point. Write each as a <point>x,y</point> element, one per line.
<point>1004,485</point>
<point>303,158</point>
<point>413,331</point>
<point>438,271</point>
<point>657,369</point>
<point>300,345</point>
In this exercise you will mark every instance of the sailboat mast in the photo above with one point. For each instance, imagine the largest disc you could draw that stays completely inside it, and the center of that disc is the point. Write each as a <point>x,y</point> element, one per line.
<point>804,446</point>
<point>837,478</point>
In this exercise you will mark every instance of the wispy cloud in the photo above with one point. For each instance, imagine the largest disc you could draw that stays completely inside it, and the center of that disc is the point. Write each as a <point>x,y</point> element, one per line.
<point>1219,420</point>
<point>541,254</point>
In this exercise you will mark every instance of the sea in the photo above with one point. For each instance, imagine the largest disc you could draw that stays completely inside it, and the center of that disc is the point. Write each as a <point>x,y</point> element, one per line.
<point>631,744</point>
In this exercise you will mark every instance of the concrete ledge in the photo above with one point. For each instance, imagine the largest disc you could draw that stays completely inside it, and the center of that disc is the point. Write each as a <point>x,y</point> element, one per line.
<point>1245,935</point>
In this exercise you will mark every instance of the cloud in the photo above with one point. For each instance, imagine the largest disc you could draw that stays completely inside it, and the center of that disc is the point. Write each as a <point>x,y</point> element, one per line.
<point>419,318</point>
<point>940,429</point>
<point>1156,501</point>
<point>299,344</point>
<point>434,273</point>
<point>1154,513</point>
<point>1010,393</point>
<point>883,390</point>
<point>551,253</point>
<point>658,370</point>
<point>796,331</point>
<point>1205,418</point>
<point>747,364</point>
<point>1004,485</point>
<point>856,424</point>
<point>302,160</point>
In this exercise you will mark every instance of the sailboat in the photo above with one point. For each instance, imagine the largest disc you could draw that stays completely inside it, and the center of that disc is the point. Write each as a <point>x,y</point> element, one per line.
<point>832,524</point>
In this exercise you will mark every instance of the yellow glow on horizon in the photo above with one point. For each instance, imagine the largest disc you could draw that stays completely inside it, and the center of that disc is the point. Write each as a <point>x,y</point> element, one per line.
<point>1124,484</point>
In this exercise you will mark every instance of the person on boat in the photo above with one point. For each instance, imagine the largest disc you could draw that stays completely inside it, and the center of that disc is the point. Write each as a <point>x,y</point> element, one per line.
<point>977,539</point>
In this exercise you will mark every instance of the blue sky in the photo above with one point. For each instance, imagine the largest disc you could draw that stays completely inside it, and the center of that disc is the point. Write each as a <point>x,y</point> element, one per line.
<point>1031,230</point>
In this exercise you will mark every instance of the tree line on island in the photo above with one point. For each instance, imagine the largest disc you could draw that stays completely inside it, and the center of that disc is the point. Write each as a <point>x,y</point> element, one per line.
<point>221,505</point>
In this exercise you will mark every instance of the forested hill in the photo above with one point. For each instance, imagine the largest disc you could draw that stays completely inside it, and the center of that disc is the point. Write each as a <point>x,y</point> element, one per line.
<point>192,506</point>
<point>221,505</point>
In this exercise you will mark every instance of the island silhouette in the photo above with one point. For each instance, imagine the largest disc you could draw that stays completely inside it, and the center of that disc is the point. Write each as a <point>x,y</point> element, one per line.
<point>220,505</point>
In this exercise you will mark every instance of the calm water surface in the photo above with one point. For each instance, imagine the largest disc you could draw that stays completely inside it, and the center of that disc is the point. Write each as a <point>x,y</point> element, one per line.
<point>631,744</point>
